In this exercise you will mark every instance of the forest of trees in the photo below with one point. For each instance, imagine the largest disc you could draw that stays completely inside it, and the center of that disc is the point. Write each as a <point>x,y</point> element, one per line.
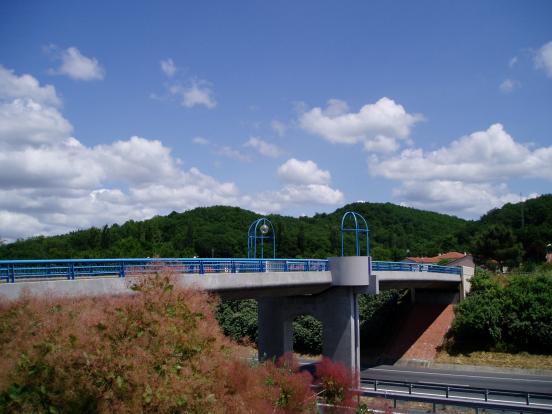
<point>522,231</point>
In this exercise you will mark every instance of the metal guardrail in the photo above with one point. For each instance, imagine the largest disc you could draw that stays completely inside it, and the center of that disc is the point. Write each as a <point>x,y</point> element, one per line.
<point>17,270</point>
<point>463,396</point>
<point>414,267</point>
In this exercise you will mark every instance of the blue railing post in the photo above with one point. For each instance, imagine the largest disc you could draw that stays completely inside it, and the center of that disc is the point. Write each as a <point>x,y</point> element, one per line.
<point>201,268</point>
<point>12,274</point>
<point>71,274</point>
<point>262,266</point>
<point>233,266</point>
<point>122,269</point>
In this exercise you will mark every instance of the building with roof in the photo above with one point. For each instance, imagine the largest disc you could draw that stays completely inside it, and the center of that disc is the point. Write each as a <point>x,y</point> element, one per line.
<point>450,259</point>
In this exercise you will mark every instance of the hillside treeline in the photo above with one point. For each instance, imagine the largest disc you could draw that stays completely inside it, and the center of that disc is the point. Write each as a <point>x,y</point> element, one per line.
<point>519,233</point>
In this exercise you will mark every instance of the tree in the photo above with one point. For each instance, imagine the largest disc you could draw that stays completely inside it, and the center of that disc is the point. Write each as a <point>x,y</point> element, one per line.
<point>497,243</point>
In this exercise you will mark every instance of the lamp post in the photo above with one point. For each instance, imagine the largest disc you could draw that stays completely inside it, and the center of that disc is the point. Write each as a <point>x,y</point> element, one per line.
<point>264,227</point>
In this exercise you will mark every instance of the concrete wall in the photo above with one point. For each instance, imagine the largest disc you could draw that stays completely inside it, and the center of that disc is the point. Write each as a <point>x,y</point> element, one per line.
<point>232,285</point>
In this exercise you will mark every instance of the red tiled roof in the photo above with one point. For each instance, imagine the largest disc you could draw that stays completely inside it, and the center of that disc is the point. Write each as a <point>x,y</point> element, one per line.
<point>451,255</point>
<point>437,259</point>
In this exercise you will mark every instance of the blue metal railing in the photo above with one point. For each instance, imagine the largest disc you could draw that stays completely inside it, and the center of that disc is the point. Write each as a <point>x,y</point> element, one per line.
<point>414,267</point>
<point>14,270</point>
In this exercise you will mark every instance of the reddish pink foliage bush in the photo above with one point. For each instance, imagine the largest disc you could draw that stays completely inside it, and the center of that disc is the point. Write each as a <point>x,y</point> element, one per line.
<point>158,351</point>
<point>337,383</point>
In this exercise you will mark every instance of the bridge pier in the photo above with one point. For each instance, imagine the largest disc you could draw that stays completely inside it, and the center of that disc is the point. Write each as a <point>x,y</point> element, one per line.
<point>336,308</point>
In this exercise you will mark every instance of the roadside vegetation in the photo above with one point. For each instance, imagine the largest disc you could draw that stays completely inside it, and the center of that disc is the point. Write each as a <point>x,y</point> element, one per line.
<point>160,350</point>
<point>509,315</point>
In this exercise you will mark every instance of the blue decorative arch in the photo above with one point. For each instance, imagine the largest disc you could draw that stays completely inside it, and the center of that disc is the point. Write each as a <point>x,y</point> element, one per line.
<point>358,231</point>
<point>256,233</point>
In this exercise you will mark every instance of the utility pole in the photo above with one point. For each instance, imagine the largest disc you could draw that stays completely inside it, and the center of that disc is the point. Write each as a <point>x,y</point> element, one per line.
<point>522,212</point>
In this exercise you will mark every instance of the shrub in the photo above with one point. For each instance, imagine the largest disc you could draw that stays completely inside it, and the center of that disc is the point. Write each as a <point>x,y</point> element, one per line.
<point>337,383</point>
<point>513,314</point>
<point>157,351</point>
<point>307,335</point>
<point>238,319</point>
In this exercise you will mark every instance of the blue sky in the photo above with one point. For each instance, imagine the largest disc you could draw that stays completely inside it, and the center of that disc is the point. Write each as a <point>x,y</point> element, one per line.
<point>119,110</point>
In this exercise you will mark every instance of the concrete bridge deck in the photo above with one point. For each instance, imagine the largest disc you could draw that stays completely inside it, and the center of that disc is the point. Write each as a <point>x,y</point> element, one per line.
<point>285,288</point>
<point>232,278</point>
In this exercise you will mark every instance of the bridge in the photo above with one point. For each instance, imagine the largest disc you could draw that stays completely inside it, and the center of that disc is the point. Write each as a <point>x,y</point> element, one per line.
<point>251,278</point>
<point>284,288</point>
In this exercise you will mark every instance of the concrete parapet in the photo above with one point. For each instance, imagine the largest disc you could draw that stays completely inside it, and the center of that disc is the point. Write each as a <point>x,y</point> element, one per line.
<point>350,270</point>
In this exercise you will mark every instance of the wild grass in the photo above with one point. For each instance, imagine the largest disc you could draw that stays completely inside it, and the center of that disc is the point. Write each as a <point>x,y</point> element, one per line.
<point>497,359</point>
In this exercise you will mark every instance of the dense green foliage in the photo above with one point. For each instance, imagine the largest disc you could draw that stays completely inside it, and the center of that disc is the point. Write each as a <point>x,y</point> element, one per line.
<point>238,319</point>
<point>507,314</point>
<point>219,231</point>
<point>531,223</point>
<point>222,232</point>
<point>497,246</point>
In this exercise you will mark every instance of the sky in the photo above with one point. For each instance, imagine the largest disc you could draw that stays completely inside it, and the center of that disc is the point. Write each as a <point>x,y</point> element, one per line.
<point>111,111</point>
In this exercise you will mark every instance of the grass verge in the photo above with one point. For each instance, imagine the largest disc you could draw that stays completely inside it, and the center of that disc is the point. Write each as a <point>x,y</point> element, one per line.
<point>497,359</point>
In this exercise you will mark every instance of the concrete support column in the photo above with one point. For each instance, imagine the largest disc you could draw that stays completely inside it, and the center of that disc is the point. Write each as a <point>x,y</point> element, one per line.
<point>275,328</point>
<point>341,334</point>
<point>336,308</point>
<point>413,295</point>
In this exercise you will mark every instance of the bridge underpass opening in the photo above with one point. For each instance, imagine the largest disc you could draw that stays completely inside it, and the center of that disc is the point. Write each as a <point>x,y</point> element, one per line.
<point>412,326</point>
<point>308,334</point>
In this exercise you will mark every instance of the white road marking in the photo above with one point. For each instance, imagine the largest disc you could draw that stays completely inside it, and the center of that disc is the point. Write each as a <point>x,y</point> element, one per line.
<point>460,375</point>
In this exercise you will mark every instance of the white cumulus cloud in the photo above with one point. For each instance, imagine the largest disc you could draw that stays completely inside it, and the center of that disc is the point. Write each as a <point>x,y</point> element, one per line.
<point>303,172</point>
<point>52,183</point>
<point>168,67</point>
<point>200,141</point>
<point>492,154</point>
<point>79,67</point>
<point>264,148</point>
<point>543,58</point>
<point>26,86</point>
<point>508,85</point>
<point>377,125</point>
<point>467,177</point>
<point>196,93</point>
<point>279,127</point>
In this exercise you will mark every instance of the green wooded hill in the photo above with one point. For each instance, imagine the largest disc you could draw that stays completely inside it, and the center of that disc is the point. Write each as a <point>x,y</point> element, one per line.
<point>530,223</point>
<point>395,232</point>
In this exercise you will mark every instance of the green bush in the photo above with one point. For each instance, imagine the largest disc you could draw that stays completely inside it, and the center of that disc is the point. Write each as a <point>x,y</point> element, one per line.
<point>307,335</point>
<point>509,314</point>
<point>238,319</point>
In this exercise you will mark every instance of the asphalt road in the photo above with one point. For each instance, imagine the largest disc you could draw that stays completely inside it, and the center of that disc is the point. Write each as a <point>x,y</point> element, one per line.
<point>497,381</point>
